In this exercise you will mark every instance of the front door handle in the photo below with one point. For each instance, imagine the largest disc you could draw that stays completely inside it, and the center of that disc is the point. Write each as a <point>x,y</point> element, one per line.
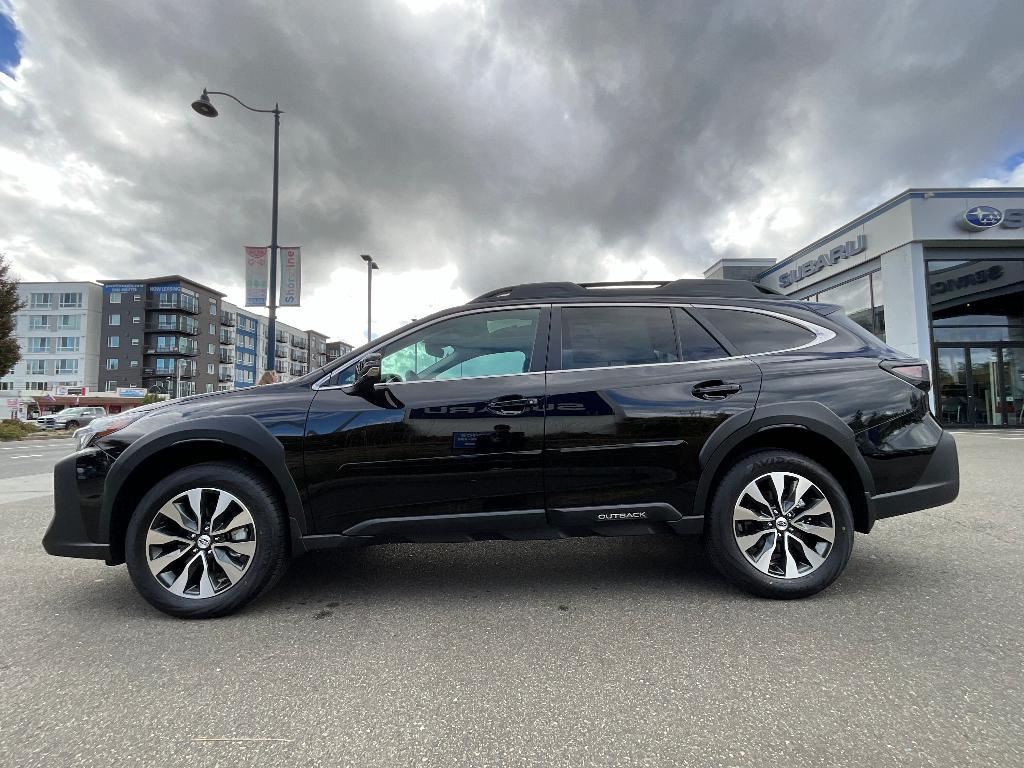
<point>715,390</point>
<point>511,405</point>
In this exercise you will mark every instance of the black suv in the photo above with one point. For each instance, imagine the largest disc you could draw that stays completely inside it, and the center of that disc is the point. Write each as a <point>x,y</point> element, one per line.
<point>775,428</point>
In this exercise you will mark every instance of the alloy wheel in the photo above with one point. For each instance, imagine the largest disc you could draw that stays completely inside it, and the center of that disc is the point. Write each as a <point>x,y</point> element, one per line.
<point>201,543</point>
<point>784,525</point>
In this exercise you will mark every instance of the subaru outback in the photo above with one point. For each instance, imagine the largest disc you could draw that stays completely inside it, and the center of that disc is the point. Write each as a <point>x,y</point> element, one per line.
<point>773,428</point>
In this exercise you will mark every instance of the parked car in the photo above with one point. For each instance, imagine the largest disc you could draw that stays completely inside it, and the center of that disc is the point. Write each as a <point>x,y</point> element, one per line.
<point>71,418</point>
<point>775,428</point>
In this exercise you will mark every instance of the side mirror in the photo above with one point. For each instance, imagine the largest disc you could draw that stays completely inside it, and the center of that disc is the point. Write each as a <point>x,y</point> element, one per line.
<point>367,374</point>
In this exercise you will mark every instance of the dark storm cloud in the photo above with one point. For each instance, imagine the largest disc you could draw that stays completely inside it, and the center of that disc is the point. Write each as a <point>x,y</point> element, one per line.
<point>517,140</point>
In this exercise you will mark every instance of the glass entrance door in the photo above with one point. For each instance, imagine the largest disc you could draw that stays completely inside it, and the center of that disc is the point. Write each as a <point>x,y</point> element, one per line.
<point>980,386</point>
<point>1012,385</point>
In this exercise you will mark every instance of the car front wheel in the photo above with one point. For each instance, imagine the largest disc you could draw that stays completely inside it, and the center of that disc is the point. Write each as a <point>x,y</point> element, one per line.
<point>206,540</point>
<point>780,525</point>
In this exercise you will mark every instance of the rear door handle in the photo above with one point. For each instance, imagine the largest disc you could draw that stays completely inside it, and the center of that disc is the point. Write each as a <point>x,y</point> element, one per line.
<point>512,405</point>
<point>715,390</point>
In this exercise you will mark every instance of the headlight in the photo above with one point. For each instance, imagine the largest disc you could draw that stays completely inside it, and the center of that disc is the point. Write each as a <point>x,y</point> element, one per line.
<point>106,425</point>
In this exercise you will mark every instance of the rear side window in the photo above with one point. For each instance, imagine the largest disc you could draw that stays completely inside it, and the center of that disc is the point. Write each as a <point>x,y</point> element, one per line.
<point>752,332</point>
<point>597,337</point>
<point>696,343</point>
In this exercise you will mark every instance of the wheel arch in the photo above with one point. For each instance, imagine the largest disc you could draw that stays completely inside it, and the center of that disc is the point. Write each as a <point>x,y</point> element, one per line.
<point>238,439</point>
<point>809,429</point>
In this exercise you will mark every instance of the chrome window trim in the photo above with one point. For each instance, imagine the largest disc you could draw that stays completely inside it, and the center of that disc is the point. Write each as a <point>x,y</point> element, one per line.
<point>476,311</point>
<point>821,335</point>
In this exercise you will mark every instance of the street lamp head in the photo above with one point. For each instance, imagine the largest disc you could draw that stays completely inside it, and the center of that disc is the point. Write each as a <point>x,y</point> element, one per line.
<point>366,257</point>
<point>204,106</point>
<point>373,265</point>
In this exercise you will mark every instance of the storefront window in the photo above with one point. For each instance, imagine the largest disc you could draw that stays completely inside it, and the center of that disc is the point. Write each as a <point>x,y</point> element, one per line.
<point>862,301</point>
<point>976,301</point>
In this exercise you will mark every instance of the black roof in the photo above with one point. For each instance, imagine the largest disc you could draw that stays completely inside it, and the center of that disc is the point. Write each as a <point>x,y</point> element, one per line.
<point>734,289</point>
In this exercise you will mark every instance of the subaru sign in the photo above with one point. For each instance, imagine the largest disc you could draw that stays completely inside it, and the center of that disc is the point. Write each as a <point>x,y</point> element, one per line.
<point>978,218</point>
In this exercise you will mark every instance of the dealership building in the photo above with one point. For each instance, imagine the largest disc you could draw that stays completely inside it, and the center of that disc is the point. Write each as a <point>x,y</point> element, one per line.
<point>937,273</point>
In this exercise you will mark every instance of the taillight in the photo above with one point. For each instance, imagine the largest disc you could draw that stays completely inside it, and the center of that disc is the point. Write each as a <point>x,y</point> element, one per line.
<point>913,371</point>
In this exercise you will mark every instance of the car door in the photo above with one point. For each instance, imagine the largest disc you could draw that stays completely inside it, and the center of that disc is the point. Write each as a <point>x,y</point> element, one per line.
<point>634,391</point>
<point>455,435</point>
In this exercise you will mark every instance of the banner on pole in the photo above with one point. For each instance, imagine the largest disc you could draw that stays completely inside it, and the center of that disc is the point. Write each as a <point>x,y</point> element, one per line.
<point>256,276</point>
<point>291,277</point>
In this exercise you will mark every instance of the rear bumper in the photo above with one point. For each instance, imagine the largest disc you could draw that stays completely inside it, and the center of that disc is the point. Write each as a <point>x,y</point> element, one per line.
<point>66,535</point>
<point>939,484</point>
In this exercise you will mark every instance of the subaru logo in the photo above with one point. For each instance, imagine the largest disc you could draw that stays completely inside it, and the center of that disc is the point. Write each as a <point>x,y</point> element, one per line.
<point>981,217</point>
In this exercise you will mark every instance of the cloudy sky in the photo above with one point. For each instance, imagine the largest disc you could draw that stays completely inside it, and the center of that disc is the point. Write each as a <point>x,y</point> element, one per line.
<point>469,145</point>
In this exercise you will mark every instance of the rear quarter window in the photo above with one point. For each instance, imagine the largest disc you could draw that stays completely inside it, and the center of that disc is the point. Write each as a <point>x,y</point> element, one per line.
<point>753,332</point>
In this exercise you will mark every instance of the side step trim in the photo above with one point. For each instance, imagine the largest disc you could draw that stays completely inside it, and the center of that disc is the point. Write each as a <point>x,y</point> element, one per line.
<point>435,524</point>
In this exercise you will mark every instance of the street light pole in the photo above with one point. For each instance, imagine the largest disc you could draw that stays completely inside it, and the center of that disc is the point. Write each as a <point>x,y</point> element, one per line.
<point>370,266</point>
<point>205,107</point>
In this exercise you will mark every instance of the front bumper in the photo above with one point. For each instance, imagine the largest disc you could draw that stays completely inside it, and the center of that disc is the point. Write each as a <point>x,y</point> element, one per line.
<point>939,484</point>
<point>77,492</point>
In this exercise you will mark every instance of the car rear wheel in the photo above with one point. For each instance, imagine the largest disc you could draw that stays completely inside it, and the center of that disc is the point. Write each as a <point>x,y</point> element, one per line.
<point>71,425</point>
<point>780,525</point>
<point>206,540</point>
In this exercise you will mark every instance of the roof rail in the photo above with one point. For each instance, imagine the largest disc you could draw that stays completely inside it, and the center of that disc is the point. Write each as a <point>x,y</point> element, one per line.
<point>737,289</point>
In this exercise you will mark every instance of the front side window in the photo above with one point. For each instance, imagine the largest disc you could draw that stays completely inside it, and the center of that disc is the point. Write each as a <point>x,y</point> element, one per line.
<point>484,344</point>
<point>753,332</point>
<point>599,337</point>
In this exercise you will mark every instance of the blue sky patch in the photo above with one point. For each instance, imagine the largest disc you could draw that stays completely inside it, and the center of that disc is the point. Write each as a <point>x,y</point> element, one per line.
<point>9,38</point>
<point>1013,161</point>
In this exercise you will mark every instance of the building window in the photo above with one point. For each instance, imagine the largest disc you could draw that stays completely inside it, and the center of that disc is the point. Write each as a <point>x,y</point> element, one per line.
<point>111,386</point>
<point>115,298</point>
<point>209,388</point>
<point>35,367</point>
<point>66,367</point>
<point>211,348</point>
<point>68,343</point>
<point>38,386</point>
<point>137,319</point>
<point>114,319</point>
<point>209,368</point>
<point>40,301</point>
<point>136,297</point>
<point>135,342</point>
<point>71,300</point>
<point>113,342</point>
<point>111,363</point>
<point>71,322</point>
<point>213,330</point>
<point>38,344</point>
<point>213,307</point>
<point>134,364</point>
<point>38,322</point>
<point>861,299</point>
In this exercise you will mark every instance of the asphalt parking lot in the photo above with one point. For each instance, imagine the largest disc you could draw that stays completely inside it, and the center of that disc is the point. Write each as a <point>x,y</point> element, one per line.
<point>586,652</point>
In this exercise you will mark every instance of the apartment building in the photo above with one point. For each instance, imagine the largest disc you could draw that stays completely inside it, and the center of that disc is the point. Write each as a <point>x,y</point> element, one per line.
<point>162,334</point>
<point>244,348</point>
<point>58,333</point>
<point>336,349</point>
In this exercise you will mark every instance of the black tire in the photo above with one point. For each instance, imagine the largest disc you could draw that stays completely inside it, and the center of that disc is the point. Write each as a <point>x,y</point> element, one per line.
<point>267,565</point>
<point>71,425</point>
<point>725,551</point>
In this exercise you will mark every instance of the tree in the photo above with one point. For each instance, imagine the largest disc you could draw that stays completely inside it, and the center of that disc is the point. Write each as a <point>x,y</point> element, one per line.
<point>151,397</point>
<point>9,306</point>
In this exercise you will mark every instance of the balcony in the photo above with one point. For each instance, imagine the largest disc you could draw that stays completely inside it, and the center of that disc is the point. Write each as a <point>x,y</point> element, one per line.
<point>226,356</point>
<point>281,367</point>
<point>181,326</point>
<point>299,356</point>
<point>299,341</point>
<point>187,351</point>
<point>227,319</point>
<point>225,376</point>
<point>280,352</point>
<point>174,303</point>
<point>227,338</point>
<point>281,337</point>
<point>297,370</point>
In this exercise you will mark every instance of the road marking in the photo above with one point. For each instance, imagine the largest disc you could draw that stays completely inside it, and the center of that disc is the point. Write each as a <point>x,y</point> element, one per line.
<point>27,456</point>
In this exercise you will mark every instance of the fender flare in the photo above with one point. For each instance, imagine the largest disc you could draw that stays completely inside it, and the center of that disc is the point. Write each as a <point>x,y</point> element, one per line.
<point>238,431</point>
<point>808,415</point>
